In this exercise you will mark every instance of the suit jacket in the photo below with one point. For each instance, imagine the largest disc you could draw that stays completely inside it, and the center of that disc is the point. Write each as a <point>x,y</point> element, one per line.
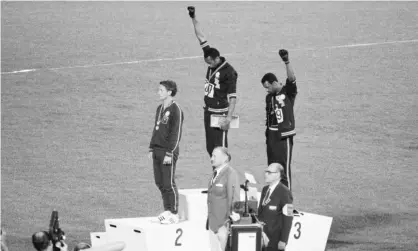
<point>222,195</point>
<point>278,225</point>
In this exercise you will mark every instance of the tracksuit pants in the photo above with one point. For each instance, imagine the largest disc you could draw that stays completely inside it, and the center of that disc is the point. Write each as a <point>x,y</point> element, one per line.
<point>164,179</point>
<point>279,150</point>
<point>214,136</point>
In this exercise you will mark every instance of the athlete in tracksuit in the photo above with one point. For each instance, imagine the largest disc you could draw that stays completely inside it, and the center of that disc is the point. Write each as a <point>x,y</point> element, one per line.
<point>164,149</point>
<point>280,120</point>
<point>220,90</point>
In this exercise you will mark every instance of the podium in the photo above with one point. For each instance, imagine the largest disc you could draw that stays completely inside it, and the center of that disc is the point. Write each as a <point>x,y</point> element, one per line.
<point>309,231</point>
<point>147,233</point>
<point>246,237</point>
<point>98,239</point>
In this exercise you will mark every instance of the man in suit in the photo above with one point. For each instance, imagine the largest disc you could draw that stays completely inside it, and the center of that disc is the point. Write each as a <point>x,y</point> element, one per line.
<point>275,209</point>
<point>223,193</point>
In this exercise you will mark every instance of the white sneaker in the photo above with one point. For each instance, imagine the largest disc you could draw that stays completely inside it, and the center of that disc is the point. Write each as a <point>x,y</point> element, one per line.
<point>172,219</point>
<point>164,215</point>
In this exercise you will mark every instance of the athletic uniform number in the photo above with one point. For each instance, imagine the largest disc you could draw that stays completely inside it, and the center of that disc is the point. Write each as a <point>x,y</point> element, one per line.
<point>299,226</point>
<point>179,231</point>
<point>209,89</point>
<point>279,115</point>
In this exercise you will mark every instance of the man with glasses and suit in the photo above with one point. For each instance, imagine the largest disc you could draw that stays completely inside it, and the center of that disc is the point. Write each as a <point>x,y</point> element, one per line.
<point>275,209</point>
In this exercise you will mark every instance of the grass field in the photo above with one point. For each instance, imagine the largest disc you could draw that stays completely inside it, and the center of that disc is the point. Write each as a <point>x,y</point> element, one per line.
<point>76,138</point>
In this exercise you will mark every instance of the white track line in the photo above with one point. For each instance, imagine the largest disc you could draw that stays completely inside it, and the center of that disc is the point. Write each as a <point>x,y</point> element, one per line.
<point>193,57</point>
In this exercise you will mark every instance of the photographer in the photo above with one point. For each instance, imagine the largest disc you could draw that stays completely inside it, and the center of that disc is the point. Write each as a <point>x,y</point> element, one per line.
<point>42,241</point>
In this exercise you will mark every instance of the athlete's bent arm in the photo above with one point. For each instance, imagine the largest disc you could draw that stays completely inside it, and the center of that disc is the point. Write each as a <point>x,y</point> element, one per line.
<point>284,54</point>
<point>290,73</point>
<point>231,108</point>
<point>175,131</point>
<point>232,94</point>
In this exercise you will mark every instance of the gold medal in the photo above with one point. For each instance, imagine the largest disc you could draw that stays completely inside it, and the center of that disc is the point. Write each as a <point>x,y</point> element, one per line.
<point>157,127</point>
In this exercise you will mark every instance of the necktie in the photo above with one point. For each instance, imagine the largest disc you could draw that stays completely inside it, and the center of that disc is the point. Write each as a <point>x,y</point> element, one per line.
<point>214,175</point>
<point>266,199</point>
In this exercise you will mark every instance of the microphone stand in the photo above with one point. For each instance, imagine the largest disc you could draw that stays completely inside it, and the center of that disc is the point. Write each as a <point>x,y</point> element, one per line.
<point>245,188</point>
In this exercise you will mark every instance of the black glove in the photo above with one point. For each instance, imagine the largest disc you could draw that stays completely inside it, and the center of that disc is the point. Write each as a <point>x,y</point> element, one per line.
<point>191,11</point>
<point>284,54</point>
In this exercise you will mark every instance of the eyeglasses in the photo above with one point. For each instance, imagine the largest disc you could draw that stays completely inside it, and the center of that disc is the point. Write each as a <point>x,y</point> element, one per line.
<point>269,172</point>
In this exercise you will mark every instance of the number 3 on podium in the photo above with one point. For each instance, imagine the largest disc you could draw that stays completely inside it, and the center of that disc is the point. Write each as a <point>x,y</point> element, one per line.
<point>298,227</point>
<point>179,233</point>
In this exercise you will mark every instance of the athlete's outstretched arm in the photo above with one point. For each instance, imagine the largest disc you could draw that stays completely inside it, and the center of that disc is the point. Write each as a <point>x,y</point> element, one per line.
<point>197,29</point>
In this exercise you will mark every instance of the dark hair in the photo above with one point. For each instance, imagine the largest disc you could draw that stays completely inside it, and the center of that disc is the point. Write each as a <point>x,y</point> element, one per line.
<point>269,77</point>
<point>40,240</point>
<point>212,52</point>
<point>170,86</point>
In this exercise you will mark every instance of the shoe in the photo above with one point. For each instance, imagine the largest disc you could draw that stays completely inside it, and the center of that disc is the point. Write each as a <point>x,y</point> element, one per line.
<point>172,219</point>
<point>164,215</point>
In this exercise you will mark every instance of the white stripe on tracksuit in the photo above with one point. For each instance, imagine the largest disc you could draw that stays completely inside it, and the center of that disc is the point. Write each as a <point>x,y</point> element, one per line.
<point>288,162</point>
<point>172,160</point>
<point>172,188</point>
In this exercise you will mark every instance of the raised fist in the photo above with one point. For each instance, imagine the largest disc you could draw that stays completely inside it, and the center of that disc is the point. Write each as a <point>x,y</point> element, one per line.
<point>284,55</point>
<point>191,11</point>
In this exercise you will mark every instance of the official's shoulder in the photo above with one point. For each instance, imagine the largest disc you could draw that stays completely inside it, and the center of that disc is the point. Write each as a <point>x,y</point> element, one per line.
<point>231,170</point>
<point>284,188</point>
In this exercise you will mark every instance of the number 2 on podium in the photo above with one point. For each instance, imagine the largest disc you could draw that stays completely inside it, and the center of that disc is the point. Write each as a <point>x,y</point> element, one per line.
<point>179,231</point>
<point>299,226</point>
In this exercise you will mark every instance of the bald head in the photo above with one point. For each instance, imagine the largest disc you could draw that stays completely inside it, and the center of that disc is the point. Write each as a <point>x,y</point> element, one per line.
<point>277,167</point>
<point>273,173</point>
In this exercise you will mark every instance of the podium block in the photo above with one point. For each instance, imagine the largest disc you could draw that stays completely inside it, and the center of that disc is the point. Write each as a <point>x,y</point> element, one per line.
<point>309,232</point>
<point>147,234</point>
<point>98,238</point>
<point>193,205</point>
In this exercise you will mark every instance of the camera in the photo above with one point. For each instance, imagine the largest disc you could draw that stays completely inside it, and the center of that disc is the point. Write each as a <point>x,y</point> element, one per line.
<point>55,232</point>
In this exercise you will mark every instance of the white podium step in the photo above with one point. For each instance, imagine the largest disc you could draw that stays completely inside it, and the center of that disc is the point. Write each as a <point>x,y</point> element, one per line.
<point>193,205</point>
<point>146,233</point>
<point>309,231</point>
<point>98,238</point>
